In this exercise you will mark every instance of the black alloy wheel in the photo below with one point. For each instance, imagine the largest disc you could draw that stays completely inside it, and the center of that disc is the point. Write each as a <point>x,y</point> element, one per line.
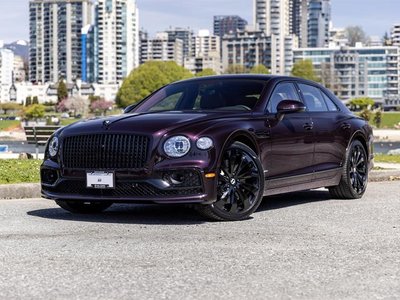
<point>240,185</point>
<point>82,207</point>
<point>354,180</point>
<point>358,169</point>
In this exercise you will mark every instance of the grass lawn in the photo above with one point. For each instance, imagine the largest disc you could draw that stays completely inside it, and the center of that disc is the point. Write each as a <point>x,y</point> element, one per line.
<point>7,124</point>
<point>389,119</point>
<point>65,122</point>
<point>19,171</point>
<point>387,158</point>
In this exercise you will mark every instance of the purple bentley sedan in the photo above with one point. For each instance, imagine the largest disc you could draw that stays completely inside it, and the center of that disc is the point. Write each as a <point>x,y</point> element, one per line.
<point>220,143</point>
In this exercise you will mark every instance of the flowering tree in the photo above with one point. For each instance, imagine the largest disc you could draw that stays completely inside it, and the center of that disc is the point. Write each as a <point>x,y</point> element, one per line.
<point>75,104</point>
<point>101,106</point>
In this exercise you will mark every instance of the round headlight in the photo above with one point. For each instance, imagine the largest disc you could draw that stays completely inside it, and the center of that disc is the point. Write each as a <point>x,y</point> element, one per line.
<point>53,147</point>
<point>177,146</point>
<point>204,143</point>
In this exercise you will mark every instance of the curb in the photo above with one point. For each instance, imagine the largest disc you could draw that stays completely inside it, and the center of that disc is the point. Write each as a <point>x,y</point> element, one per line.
<point>20,191</point>
<point>32,190</point>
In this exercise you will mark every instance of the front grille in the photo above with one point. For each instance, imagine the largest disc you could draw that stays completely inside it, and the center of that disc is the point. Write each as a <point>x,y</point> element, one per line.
<point>122,190</point>
<point>105,151</point>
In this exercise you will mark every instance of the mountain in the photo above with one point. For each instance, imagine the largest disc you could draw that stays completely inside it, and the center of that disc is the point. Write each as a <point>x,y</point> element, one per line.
<point>20,48</point>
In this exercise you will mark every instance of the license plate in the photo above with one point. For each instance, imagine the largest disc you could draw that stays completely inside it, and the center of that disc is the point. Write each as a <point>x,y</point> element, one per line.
<point>100,180</point>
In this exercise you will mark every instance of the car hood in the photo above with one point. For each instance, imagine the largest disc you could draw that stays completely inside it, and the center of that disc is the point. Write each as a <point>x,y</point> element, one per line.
<point>144,123</point>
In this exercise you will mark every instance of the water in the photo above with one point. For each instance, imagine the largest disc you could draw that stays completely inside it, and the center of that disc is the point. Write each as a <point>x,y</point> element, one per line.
<point>385,147</point>
<point>21,146</point>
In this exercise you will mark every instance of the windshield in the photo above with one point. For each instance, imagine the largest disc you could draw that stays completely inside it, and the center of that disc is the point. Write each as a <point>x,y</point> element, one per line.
<point>211,94</point>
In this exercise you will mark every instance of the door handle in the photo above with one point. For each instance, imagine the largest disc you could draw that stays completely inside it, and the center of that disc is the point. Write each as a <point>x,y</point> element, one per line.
<point>308,126</point>
<point>346,126</point>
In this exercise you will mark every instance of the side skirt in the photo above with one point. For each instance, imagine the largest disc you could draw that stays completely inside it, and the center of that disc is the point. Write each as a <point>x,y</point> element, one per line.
<point>320,179</point>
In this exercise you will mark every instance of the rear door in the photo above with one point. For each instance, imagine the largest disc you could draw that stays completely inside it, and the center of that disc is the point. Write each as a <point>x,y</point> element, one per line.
<point>331,132</point>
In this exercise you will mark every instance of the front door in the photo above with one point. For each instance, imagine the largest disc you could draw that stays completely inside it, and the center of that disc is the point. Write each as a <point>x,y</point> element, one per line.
<point>290,158</point>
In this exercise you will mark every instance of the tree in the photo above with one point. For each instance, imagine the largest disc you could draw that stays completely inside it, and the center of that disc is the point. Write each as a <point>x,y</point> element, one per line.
<point>305,69</point>
<point>101,106</point>
<point>28,101</point>
<point>366,114</point>
<point>34,111</point>
<point>35,100</point>
<point>236,69</point>
<point>62,91</point>
<point>361,103</point>
<point>259,69</point>
<point>147,78</point>
<point>93,98</point>
<point>6,107</point>
<point>378,118</point>
<point>386,40</point>
<point>206,72</point>
<point>76,104</point>
<point>355,34</point>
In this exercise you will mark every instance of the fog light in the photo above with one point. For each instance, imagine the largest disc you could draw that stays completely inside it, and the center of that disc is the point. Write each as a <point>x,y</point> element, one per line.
<point>49,176</point>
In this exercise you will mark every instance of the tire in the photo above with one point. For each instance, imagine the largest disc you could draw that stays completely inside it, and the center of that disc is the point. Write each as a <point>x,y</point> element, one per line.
<point>354,180</point>
<point>81,207</point>
<point>240,185</point>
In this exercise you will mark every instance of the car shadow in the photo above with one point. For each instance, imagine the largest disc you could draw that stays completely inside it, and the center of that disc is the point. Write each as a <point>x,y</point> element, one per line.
<point>172,214</point>
<point>145,214</point>
<point>292,199</point>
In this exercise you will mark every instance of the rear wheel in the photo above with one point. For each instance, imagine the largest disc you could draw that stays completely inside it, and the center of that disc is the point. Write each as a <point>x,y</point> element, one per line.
<point>83,207</point>
<point>354,180</point>
<point>240,185</point>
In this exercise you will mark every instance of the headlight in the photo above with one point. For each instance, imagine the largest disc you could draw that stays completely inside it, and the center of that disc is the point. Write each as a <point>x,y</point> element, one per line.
<point>177,146</point>
<point>53,146</point>
<point>204,143</point>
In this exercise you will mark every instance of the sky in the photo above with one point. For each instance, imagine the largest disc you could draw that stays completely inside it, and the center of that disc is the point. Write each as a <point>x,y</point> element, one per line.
<point>375,16</point>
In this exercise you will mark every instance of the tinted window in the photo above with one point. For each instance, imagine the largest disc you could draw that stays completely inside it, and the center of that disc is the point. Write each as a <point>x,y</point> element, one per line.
<point>168,103</point>
<point>313,98</point>
<point>331,105</point>
<point>283,91</point>
<point>229,94</point>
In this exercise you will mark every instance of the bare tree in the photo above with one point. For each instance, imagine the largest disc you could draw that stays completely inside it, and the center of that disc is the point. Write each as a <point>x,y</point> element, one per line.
<point>356,34</point>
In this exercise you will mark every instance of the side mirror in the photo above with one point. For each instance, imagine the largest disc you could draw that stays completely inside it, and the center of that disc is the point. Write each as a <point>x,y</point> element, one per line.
<point>289,107</point>
<point>130,108</point>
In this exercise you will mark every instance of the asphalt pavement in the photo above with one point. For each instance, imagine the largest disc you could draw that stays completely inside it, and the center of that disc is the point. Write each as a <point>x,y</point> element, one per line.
<point>297,246</point>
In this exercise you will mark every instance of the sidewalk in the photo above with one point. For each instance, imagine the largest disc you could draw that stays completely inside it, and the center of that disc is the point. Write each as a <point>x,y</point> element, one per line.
<point>387,135</point>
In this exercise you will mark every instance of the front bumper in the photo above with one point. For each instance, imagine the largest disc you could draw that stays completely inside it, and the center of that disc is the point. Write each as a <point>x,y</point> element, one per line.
<point>135,186</point>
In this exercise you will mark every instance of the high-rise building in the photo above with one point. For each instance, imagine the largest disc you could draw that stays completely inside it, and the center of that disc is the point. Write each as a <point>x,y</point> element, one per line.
<point>205,44</point>
<point>206,53</point>
<point>90,53</point>
<point>273,18</point>
<point>319,18</point>
<point>118,39</point>
<point>6,73</point>
<point>395,35</point>
<point>298,14</point>
<point>19,69</point>
<point>185,35</point>
<point>251,48</point>
<point>55,38</point>
<point>353,72</point>
<point>224,25</point>
<point>161,48</point>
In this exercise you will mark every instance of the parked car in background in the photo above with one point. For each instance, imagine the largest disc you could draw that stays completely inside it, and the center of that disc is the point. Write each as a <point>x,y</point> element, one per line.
<point>221,143</point>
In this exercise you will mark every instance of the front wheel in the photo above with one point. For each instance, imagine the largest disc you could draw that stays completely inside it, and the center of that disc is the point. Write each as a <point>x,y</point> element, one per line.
<point>240,185</point>
<point>353,182</point>
<point>81,207</point>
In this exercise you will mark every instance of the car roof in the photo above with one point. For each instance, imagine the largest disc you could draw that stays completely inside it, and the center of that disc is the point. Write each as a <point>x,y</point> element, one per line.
<point>264,77</point>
